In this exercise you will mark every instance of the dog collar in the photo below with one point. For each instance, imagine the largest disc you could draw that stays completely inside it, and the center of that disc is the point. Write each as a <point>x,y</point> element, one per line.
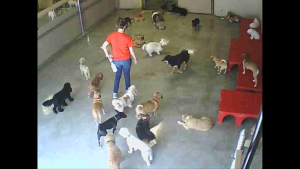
<point>110,141</point>
<point>116,119</point>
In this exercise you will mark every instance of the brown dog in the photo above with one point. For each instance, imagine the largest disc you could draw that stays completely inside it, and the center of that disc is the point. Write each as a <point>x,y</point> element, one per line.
<point>232,17</point>
<point>94,86</point>
<point>140,41</point>
<point>190,122</point>
<point>139,17</point>
<point>150,105</point>
<point>114,152</point>
<point>220,63</point>
<point>251,66</point>
<point>97,107</point>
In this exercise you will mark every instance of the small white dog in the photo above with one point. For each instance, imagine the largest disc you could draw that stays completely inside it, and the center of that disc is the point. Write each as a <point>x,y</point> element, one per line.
<point>155,46</point>
<point>71,3</point>
<point>51,15</point>
<point>137,144</point>
<point>253,33</point>
<point>255,23</point>
<point>84,69</point>
<point>126,100</point>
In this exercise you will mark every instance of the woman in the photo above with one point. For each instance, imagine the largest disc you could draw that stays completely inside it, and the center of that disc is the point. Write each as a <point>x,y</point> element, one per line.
<point>121,50</point>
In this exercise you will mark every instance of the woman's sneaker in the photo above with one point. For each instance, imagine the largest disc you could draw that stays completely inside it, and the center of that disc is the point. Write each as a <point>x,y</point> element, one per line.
<point>115,95</point>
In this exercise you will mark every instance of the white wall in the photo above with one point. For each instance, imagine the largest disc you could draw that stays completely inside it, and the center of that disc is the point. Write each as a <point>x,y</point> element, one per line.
<point>243,8</point>
<point>130,4</point>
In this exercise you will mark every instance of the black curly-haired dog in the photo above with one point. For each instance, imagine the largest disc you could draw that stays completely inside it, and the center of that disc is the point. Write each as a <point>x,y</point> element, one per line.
<point>111,123</point>
<point>195,23</point>
<point>143,129</point>
<point>181,11</point>
<point>59,98</point>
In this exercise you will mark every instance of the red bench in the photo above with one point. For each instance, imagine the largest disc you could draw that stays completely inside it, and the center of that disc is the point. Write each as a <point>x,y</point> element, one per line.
<point>245,45</point>
<point>239,104</point>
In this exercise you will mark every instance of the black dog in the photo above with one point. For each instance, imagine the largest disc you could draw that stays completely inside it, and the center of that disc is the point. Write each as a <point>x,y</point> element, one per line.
<point>181,11</point>
<point>177,60</point>
<point>195,23</point>
<point>143,130</point>
<point>109,124</point>
<point>59,98</point>
<point>128,20</point>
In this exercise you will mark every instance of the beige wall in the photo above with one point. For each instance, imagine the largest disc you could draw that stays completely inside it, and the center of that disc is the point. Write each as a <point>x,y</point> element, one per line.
<point>63,35</point>
<point>196,6</point>
<point>244,8</point>
<point>130,4</point>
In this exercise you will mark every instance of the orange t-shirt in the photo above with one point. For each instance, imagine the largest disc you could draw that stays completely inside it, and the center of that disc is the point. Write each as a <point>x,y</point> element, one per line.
<point>120,45</point>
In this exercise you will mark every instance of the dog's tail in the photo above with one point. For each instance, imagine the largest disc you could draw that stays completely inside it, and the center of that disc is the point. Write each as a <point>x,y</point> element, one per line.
<point>144,46</point>
<point>48,103</point>
<point>81,60</point>
<point>223,60</point>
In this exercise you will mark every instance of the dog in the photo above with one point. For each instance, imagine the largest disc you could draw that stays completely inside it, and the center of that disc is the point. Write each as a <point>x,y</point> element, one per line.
<point>126,100</point>
<point>232,17</point>
<point>137,144</point>
<point>150,105</point>
<point>220,63</point>
<point>143,131</point>
<point>72,3</point>
<point>84,69</point>
<point>255,23</point>
<point>254,34</point>
<point>94,86</point>
<point>59,98</point>
<point>177,60</point>
<point>155,46</point>
<point>51,15</point>
<point>157,20</point>
<point>247,64</point>
<point>111,123</point>
<point>140,41</point>
<point>139,17</point>
<point>195,23</point>
<point>97,107</point>
<point>202,124</point>
<point>114,152</point>
<point>181,11</point>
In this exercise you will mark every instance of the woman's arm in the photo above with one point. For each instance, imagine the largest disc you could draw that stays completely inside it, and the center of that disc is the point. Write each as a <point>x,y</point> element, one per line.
<point>104,47</point>
<point>132,54</point>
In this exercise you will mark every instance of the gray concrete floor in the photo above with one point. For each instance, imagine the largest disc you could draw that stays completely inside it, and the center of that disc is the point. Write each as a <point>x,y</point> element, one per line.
<point>69,140</point>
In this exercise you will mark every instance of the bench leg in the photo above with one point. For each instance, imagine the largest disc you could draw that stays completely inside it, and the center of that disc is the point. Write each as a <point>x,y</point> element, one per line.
<point>239,121</point>
<point>221,117</point>
<point>229,67</point>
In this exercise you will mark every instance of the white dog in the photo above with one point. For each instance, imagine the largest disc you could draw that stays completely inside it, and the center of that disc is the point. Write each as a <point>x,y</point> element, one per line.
<point>155,46</point>
<point>126,100</point>
<point>51,15</point>
<point>71,3</point>
<point>255,23</point>
<point>84,69</point>
<point>253,33</point>
<point>137,144</point>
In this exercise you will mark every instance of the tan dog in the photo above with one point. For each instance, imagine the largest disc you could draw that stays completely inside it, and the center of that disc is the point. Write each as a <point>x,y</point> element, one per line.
<point>140,41</point>
<point>95,84</point>
<point>220,63</point>
<point>139,17</point>
<point>189,122</point>
<point>114,153</point>
<point>150,105</point>
<point>97,107</point>
<point>232,17</point>
<point>251,66</point>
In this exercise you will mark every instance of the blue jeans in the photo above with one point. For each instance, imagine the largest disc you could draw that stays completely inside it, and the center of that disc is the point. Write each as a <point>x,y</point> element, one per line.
<point>122,66</point>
